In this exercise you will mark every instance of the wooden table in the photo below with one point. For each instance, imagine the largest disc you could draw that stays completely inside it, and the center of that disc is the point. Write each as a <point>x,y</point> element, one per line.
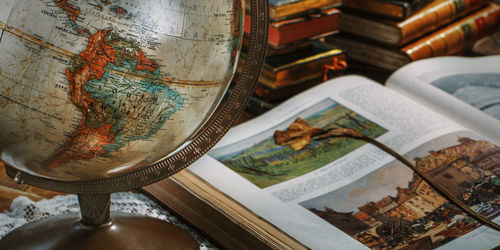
<point>9,190</point>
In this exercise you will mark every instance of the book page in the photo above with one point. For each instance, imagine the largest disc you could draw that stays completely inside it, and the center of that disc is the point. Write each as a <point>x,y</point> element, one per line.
<point>343,192</point>
<point>466,90</point>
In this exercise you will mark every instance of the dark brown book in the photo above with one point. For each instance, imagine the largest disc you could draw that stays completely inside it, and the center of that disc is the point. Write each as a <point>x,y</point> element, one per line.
<point>394,33</point>
<point>298,66</point>
<point>450,40</point>
<point>395,9</point>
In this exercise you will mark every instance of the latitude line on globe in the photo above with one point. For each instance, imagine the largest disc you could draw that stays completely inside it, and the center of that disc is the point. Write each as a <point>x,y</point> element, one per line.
<point>68,54</point>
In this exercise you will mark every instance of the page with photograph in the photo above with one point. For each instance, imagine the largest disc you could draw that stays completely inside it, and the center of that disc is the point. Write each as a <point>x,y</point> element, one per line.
<point>393,207</point>
<point>284,185</point>
<point>463,88</point>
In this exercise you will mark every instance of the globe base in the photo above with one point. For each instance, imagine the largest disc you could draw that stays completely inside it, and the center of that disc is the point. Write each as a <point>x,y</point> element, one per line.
<point>126,231</point>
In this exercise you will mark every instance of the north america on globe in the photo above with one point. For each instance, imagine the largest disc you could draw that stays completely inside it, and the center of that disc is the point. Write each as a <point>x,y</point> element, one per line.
<point>97,88</point>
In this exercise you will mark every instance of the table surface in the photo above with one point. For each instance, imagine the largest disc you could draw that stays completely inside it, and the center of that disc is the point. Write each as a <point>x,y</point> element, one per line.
<point>9,190</point>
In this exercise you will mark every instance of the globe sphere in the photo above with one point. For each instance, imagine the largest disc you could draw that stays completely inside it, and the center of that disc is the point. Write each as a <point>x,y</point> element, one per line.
<point>97,88</point>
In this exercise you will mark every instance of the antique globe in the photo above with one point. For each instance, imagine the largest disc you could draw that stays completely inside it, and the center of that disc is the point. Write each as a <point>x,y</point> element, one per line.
<point>102,96</point>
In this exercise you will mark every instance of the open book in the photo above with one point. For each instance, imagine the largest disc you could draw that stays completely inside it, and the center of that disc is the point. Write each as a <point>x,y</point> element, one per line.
<point>334,192</point>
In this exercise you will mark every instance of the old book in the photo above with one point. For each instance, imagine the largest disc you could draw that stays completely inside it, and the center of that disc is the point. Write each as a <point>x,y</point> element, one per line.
<point>282,9</point>
<point>254,190</point>
<point>429,18</point>
<point>395,9</point>
<point>289,48</point>
<point>457,36</point>
<point>298,66</point>
<point>301,67</point>
<point>449,40</point>
<point>299,28</point>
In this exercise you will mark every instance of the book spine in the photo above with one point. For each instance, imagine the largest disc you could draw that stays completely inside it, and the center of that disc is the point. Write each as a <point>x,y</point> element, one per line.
<point>436,15</point>
<point>457,36</point>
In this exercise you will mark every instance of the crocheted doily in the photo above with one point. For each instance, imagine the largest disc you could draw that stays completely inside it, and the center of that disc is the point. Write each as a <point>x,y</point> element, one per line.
<point>23,210</point>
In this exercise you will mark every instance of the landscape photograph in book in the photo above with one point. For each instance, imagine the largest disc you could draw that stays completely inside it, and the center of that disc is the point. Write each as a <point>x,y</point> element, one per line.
<point>264,163</point>
<point>481,90</point>
<point>393,207</point>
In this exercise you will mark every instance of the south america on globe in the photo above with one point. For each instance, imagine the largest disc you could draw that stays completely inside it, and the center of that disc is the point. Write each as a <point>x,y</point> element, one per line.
<point>97,88</point>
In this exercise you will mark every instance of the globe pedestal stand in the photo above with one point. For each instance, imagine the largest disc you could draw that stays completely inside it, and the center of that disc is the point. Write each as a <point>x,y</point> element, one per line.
<point>95,229</point>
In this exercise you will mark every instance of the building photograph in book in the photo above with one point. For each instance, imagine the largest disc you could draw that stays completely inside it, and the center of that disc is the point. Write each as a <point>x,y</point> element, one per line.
<point>264,163</point>
<point>481,90</point>
<point>393,207</point>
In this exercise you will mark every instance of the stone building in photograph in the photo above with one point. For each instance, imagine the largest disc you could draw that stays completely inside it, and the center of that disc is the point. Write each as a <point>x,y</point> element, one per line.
<point>418,211</point>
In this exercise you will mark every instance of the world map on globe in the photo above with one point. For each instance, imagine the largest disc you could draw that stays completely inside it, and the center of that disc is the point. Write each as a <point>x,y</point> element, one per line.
<point>98,88</point>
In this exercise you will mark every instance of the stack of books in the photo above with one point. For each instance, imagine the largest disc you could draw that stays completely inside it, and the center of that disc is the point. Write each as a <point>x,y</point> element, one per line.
<point>297,58</point>
<point>388,34</point>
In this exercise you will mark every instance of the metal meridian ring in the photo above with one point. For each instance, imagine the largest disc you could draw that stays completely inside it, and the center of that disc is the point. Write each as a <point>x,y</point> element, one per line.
<point>213,132</point>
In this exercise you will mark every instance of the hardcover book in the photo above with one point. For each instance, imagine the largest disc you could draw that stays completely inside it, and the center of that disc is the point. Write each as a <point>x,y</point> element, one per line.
<point>450,40</point>
<point>431,17</point>
<point>298,66</point>
<point>282,9</point>
<point>296,29</point>
<point>283,180</point>
<point>457,36</point>
<point>395,9</point>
